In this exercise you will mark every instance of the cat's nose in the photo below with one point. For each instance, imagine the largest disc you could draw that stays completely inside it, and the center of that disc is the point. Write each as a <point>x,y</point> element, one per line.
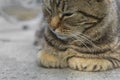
<point>55,22</point>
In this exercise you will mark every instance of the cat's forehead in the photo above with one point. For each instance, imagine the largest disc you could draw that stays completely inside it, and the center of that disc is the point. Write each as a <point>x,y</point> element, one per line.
<point>74,1</point>
<point>78,2</point>
<point>94,7</point>
<point>86,3</point>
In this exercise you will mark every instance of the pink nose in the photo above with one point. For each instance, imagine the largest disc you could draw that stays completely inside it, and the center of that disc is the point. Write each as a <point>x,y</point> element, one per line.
<point>54,22</point>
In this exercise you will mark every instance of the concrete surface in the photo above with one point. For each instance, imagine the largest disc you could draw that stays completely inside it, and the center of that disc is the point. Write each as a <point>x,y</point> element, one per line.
<point>18,59</point>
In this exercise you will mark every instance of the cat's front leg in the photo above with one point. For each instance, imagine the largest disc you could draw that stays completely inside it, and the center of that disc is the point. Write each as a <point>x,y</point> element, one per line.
<point>89,64</point>
<point>48,60</point>
<point>92,64</point>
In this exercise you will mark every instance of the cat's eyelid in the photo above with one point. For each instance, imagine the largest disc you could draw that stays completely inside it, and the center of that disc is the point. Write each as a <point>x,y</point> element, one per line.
<point>67,14</point>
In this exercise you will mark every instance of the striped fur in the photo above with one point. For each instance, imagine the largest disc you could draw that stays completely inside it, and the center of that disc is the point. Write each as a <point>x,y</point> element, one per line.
<point>81,35</point>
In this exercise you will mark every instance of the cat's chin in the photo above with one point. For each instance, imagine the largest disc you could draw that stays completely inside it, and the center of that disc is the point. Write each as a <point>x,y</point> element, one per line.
<point>62,37</point>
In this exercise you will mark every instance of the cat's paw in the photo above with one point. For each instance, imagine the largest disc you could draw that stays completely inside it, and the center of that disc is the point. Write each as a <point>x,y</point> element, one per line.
<point>50,61</point>
<point>89,64</point>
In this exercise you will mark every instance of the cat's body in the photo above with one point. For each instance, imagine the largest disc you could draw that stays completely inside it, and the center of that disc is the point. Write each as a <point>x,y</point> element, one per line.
<point>80,34</point>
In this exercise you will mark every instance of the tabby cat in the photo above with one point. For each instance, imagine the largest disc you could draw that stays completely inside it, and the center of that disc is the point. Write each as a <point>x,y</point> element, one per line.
<point>80,34</point>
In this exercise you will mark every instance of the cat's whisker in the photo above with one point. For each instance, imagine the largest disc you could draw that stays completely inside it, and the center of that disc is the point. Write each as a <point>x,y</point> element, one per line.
<point>85,37</point>
<point>76,37</point>
<point>79,37</point>
<point>93,44</point>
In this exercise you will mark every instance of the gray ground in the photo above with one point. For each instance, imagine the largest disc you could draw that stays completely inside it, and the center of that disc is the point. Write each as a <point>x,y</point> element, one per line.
<point>18,59</point>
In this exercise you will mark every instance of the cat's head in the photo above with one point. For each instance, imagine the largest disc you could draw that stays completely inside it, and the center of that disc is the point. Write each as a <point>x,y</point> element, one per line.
<point>68,17</point>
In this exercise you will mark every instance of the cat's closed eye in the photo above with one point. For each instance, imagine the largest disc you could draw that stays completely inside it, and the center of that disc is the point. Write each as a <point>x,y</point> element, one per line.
<point>67,14</point>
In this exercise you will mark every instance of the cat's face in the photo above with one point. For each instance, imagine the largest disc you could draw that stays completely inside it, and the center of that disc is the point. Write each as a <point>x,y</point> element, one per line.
<point>67,17</point>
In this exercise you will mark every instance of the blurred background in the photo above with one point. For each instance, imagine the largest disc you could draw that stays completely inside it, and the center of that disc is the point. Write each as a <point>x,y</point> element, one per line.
<point>16,16</point>
<point>20,11</point>
<point>19,20</point>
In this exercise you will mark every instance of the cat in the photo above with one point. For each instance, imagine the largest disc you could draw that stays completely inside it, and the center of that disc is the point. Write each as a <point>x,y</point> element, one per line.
<point>80,34</point>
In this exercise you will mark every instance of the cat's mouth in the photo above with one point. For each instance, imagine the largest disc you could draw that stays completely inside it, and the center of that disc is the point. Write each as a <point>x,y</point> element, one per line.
<point>63,37</point>
<point>60,34</point>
